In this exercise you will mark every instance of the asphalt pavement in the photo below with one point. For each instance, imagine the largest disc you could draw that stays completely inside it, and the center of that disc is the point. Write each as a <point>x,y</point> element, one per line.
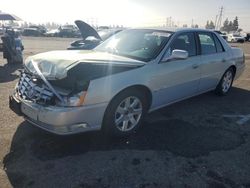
<point>200,142</point>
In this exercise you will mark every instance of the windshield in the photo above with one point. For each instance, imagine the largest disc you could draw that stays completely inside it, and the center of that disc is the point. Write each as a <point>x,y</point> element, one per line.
<point>102,33</point>
<point>139,44</point>
<point>105,34</point>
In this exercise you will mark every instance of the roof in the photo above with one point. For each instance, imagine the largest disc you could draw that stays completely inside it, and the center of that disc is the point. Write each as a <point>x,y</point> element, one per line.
<point>173,29</point>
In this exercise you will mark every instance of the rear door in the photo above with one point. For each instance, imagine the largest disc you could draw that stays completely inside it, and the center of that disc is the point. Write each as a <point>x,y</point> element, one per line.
<point>213,60</point>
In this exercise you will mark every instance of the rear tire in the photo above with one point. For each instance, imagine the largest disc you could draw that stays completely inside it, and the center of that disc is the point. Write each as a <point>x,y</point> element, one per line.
<point>124,114</point>
<point>225,83</point>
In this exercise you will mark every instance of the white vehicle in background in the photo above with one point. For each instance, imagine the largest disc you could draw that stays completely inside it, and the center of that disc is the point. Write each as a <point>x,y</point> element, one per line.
<point>235,38</point>
<point>52,33</point>
<point>223,35</point>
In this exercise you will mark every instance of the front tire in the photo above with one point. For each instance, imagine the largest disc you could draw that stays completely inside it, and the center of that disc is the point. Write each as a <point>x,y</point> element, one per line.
<point>225,83</point>
<point>10,61</point>
<point>125,113</point>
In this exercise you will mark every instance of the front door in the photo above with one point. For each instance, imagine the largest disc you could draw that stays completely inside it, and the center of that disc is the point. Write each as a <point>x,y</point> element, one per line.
<point>177,79</point>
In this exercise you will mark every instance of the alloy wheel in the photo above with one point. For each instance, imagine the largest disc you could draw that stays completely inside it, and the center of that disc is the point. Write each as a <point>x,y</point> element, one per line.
<point>128,113</point>
<point>227,81</point>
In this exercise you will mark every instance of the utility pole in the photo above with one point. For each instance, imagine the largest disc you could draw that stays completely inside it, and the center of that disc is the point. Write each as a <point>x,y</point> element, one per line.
<point>220,18</point>
<point>216,19</point>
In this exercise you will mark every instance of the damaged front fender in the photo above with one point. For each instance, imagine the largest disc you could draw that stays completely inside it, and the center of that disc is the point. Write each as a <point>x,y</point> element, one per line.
<point>66,77</point>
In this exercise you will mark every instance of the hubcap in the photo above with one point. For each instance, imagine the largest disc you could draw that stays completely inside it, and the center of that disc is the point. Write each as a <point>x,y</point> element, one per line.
<point>128,114</point>
<point>227,81</point>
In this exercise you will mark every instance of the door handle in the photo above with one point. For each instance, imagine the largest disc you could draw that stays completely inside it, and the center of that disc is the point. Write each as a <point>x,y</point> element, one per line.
<point>223,60</point>
<point>195,66</point>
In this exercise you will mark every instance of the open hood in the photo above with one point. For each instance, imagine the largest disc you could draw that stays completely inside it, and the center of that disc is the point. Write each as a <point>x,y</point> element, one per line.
<point>86,30</point>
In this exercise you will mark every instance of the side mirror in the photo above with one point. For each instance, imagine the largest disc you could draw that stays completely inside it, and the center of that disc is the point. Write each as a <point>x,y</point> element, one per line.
<point>176,54</point>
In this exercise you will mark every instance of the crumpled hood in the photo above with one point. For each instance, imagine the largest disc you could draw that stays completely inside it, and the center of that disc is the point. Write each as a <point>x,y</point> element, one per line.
<point>55,64</point>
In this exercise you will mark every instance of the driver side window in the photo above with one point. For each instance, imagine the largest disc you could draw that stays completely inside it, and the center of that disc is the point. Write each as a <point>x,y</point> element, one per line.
<point>185,42</point>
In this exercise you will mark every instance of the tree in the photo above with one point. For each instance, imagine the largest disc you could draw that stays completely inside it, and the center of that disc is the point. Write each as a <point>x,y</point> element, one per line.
<point>207,25</point>
<point>210,25</point>
<point>225,25</point>
<point>229,26</point>
<point>196,26</point>
<point>235,24</point>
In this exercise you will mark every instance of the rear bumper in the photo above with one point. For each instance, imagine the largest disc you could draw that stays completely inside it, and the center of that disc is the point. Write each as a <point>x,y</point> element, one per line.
<point>60,120</point>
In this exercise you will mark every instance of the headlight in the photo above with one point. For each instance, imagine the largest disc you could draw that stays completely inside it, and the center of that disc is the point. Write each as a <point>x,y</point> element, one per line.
<point>75,100</point>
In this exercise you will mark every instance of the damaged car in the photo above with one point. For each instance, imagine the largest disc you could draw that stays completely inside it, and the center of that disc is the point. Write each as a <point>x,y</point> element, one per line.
<point>112,87</point>
<point>90,37</point>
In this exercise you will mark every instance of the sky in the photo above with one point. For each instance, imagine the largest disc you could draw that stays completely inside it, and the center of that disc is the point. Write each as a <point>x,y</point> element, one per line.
<point>129,13</point>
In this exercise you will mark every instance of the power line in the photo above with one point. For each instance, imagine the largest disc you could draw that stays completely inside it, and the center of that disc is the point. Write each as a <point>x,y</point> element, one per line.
<point>216,19</point>
<point>218,25</point>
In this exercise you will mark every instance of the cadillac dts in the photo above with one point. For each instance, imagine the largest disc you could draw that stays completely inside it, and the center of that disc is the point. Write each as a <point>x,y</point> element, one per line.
<point>112,87</point>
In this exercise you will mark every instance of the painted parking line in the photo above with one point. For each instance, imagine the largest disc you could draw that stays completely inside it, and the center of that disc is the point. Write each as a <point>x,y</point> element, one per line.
<point>242,118</point>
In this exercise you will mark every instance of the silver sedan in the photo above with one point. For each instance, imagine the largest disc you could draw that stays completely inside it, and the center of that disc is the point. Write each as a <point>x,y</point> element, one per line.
<point>113,86</point>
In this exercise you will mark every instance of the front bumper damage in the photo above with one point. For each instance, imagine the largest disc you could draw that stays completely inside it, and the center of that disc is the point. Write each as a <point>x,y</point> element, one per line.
<point>50,79</point>
<point>59,120</point>
<point>36,102</point>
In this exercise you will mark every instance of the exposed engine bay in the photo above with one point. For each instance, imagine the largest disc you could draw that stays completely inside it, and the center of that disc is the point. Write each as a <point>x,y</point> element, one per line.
<point>32,87</point>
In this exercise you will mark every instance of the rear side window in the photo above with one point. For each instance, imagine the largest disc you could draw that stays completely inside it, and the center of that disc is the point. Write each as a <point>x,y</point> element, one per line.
<point>185,42</point>
<point>219,47</point>
<point>207,43</point>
